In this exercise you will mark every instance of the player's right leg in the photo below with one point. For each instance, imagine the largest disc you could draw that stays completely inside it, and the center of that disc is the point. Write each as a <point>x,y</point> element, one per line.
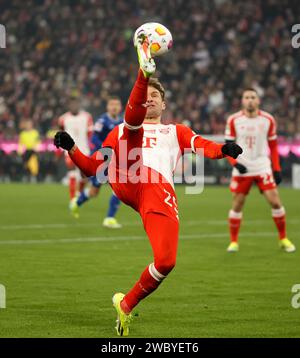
<point>240,187</point>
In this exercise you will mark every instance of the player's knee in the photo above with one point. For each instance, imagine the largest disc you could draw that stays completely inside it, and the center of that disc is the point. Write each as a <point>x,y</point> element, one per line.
<point>165,265</point>
<point>276,205</point>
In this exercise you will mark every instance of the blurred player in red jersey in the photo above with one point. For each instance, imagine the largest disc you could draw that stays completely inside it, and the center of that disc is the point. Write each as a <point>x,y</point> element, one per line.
<point>255,131</point>
<point>79,124</point>
<point>158,148</point>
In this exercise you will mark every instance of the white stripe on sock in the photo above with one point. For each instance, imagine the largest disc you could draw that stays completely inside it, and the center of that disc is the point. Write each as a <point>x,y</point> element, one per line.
<point>155,274</point>
<point>277,213</point>
<point>234,215</point>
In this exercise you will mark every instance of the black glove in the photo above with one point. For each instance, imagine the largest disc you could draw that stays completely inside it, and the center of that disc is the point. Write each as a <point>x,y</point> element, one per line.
<point>64,140</point>
<point>241,168</point>
<point>277,177</point>
<point>232,150</point>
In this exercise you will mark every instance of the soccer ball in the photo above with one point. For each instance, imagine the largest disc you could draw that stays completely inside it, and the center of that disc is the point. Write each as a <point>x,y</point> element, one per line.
<point>159,37</point>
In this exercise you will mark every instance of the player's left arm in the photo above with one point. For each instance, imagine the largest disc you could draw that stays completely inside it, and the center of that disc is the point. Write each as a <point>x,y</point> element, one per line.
<point>273,145</point>
<point>88,165</point>
<point>190,140</point>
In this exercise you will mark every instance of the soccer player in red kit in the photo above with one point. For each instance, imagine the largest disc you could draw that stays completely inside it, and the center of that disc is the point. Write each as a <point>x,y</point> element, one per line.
<point>255,131</point>
<point>158,148</point>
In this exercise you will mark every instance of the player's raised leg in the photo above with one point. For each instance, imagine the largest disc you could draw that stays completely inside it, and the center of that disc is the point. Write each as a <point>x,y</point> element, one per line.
<point>279,217</point>
<point>147,64</point>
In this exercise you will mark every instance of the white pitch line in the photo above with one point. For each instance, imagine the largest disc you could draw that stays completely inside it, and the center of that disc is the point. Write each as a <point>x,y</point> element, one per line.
<point>124,238</point>
<point>133,223</point>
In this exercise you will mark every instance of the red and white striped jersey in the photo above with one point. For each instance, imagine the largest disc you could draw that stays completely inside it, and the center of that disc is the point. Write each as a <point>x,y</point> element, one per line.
<point>79,126</point>
<point>252,134</point>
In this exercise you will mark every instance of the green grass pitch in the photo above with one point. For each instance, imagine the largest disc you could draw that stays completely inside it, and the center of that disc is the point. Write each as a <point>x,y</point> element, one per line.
<point>60,273</point>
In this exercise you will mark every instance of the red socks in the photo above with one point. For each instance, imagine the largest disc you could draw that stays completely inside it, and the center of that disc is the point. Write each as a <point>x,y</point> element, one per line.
<point>234,220</point>
<point>144,286</point>
<point>279,219</point>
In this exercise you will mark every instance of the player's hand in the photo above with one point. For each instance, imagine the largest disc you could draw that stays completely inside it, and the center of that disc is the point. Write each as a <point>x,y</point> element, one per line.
<point>277,177</point>
<point>63,140</point>
<point>232,150</point>
<point>241,168</point>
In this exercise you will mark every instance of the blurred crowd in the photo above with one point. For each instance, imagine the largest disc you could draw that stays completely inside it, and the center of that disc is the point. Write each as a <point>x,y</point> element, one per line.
<point>220,47</point>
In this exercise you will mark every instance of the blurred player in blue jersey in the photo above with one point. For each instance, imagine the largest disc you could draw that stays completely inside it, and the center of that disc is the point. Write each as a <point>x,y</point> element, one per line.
<point>103,125</point>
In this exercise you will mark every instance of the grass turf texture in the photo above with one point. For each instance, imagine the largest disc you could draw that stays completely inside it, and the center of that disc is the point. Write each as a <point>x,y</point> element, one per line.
<point>63,288</point>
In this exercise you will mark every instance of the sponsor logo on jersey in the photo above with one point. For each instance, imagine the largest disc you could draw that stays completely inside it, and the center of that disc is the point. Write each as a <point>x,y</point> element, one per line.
<point>152,131</point>
<point>165,130</point>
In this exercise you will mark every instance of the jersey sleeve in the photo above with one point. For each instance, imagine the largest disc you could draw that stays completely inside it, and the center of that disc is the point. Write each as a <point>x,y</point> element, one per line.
<point>189,140</point>
<point>112,138</point>
<point>88,165</point>
<point>230,133</point>
<point>185,137</point>
<point>272,133</point>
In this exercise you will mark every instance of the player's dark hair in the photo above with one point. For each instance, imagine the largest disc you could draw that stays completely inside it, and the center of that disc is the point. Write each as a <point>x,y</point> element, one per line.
<point>154,82</point>
<point>112,98</point>
<point>249,89</point>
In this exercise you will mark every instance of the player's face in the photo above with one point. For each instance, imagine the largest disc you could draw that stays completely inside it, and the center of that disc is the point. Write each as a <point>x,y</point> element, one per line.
<point>250,101</point>
<point>155,103</point>
<point>74,105</point>
<point>114,107</point>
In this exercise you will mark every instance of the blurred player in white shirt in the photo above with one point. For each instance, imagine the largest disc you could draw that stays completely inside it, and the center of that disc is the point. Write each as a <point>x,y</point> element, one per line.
<point>80,124</point>
<point>255,131</point>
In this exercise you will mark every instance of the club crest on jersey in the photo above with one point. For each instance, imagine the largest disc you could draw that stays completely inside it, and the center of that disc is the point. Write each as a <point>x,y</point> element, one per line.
<point>164,130</point>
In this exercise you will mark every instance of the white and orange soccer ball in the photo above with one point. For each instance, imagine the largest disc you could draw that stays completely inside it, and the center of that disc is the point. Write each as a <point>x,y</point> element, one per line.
<point>159,37</point>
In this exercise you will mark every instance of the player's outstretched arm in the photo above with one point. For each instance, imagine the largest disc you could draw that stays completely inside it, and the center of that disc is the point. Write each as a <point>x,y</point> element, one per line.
<point>214,150</point>
<point>88,165</point>
<point>190,140</point>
